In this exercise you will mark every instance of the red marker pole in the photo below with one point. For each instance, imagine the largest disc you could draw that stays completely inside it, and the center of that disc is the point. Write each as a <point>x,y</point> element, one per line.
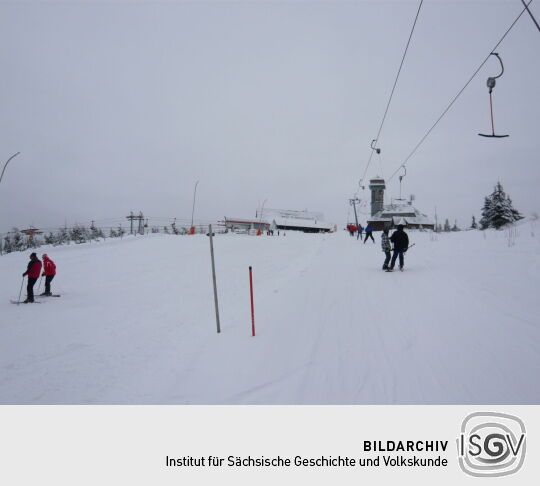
<point>252,306</point>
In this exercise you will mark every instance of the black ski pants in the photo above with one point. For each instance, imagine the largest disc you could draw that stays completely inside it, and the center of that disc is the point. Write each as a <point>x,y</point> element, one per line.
<point>397,253</point>
<point>386,260</point>
<point>369,235</point>
<point>30,289</point>
<point>48,280</point>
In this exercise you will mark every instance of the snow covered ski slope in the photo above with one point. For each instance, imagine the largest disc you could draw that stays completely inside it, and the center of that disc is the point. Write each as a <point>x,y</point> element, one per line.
<point>136,322</point>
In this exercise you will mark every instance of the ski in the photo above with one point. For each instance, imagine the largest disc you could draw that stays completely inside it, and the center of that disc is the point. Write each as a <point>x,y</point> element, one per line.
<point>53,295</point>
<point>23,302</point>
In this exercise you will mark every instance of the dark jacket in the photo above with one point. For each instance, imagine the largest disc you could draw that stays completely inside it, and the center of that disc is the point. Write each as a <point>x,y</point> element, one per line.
<point>400,240</point>
<point>34,269</point>
<point>369,228</point>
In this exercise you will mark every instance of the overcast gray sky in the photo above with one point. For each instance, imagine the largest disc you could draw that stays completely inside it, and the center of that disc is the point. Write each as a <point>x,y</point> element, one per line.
<point>119,106</point>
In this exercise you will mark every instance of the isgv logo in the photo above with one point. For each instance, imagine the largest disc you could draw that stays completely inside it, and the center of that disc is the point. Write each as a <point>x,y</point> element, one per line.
<point>491,444</point>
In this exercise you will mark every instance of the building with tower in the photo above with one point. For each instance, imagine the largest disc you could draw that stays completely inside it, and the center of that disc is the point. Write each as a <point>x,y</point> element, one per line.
<point>401,211</point>
<point>377,187</point>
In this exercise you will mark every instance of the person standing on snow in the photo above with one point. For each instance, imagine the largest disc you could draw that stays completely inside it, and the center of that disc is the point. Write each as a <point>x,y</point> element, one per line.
<point>369,233</point>
<point>401,243</point>
<point>49,271</point>
<point>360,230</point>
<point>386,247</point>
<point>33,270</point>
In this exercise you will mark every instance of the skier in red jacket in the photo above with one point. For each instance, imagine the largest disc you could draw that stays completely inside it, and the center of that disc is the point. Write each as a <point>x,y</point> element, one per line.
<point>49,271</point>
<point>33,270</point>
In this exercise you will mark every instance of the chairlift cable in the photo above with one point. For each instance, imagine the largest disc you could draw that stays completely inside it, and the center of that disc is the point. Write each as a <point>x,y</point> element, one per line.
<point>458,95</point>
<point>393,89</point>
<point>532,16</point>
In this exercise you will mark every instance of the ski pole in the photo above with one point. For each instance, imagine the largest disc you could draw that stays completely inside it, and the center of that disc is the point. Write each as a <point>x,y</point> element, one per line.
<point>39,286</point>
<point>20,292</point>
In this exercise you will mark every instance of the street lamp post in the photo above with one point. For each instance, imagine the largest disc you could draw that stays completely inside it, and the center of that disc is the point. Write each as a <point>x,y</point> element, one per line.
<point>2,175</point>
<point>6,164</point>
<point>193,208</point>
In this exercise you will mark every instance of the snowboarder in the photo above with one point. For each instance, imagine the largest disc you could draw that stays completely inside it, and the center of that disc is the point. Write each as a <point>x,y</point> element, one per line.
<point>401,243</point>
<point>386,247</point>
<point>49,271</point>
<point>33,270</point>
<point>369,233</point>
<point>360,230</point>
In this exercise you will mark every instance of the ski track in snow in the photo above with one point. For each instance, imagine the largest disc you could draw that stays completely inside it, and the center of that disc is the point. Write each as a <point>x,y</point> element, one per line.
<point>136,322</point>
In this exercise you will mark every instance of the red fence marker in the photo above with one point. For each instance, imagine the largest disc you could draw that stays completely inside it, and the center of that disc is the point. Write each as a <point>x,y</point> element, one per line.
<point>252,306</point>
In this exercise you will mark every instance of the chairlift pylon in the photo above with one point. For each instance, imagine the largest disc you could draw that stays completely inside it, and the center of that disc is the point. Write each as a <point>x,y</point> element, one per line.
<point>491,84</point>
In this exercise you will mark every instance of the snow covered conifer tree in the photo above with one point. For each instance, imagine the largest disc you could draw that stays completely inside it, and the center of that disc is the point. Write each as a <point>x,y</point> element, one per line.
<point>17,242</point>
<point>79,234</point>
<point>485,220</point>
<point>447,225</point>
<point>50,238</point>
<point>96,233</point>
<point>62,236</point>
<point>473,223</point>
<point>498,210</point>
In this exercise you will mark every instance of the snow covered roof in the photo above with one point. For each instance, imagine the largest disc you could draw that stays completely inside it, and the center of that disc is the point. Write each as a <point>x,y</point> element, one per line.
<point>246,221</point>
<point>270,214</point>
<point>296,219</point>
<point>302,223</point>
<point>395,213</point>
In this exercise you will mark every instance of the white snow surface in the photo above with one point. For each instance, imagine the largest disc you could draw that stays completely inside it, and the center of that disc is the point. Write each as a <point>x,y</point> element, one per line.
<point>136,322</point>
